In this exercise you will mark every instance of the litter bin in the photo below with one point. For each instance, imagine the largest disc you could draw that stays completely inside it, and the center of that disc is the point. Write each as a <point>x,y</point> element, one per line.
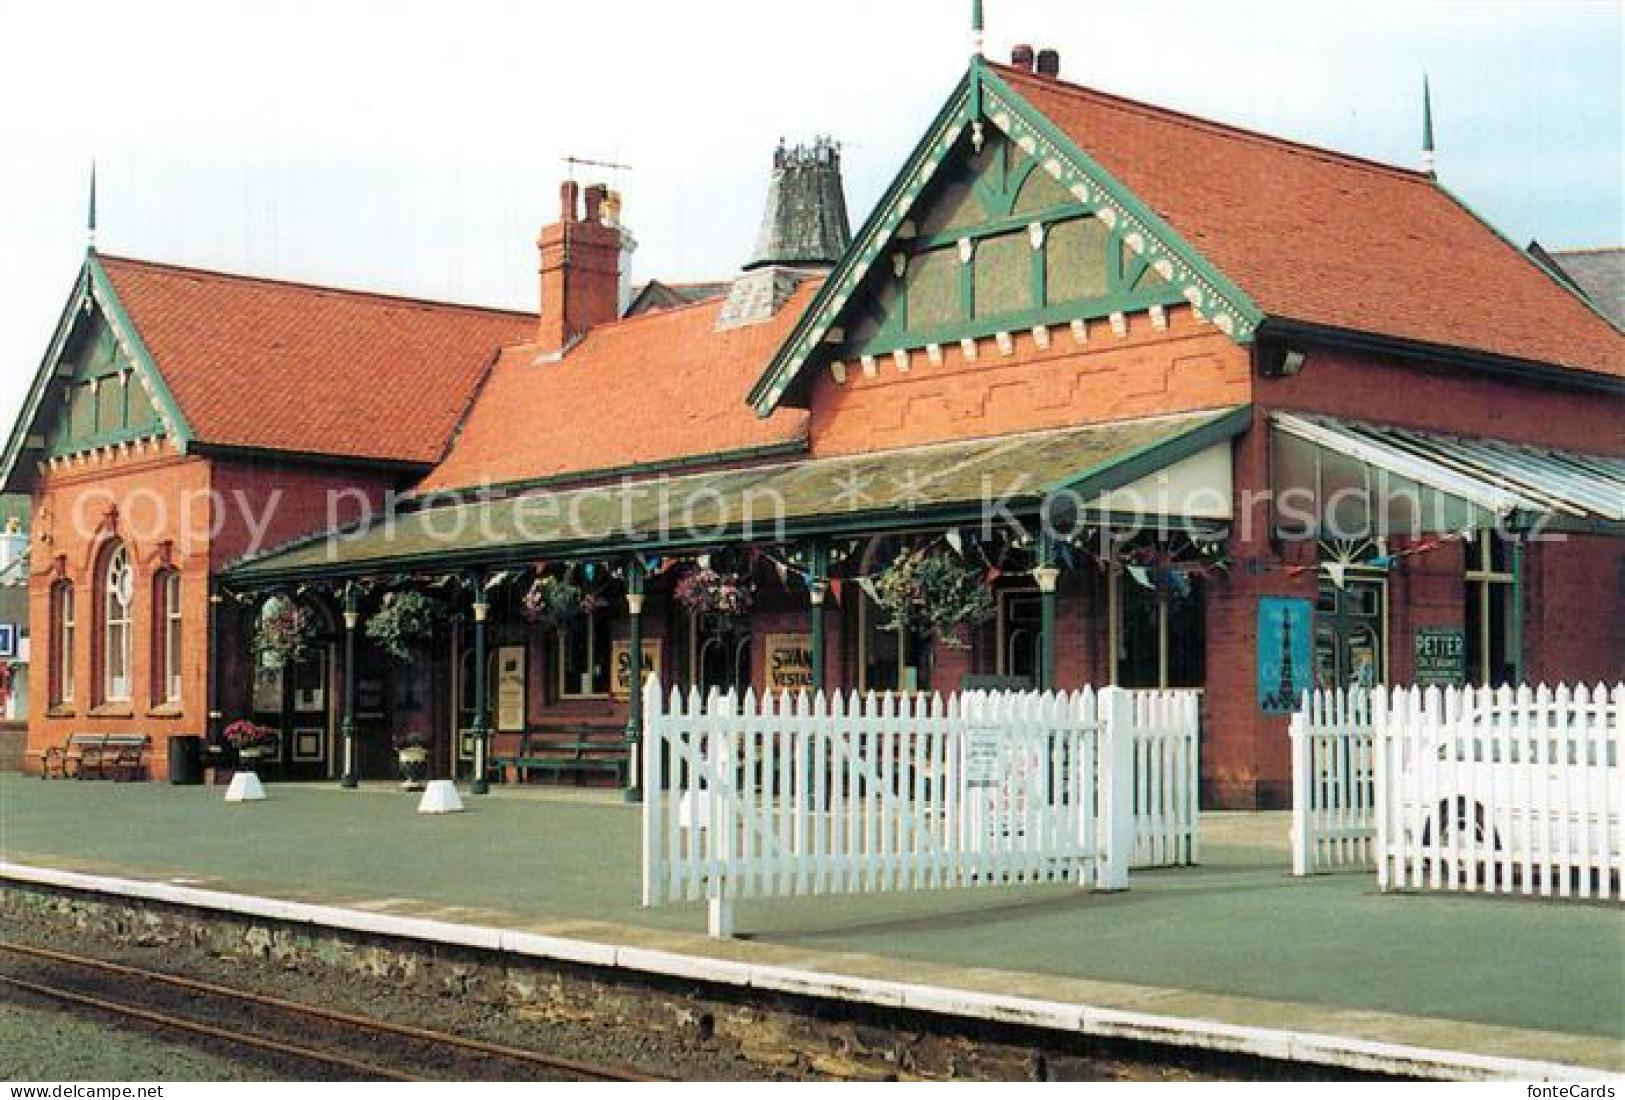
<point>186,761</point>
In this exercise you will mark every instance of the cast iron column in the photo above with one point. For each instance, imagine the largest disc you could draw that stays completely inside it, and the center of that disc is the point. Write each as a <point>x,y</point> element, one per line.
<point>634,690</point>
<point>1047,576</point>
<point>352,618</point>
<point>481,733</point>
<point>817,591</point>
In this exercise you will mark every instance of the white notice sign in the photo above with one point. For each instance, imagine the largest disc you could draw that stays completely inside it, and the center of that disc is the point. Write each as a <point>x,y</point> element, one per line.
<point>981,757</point>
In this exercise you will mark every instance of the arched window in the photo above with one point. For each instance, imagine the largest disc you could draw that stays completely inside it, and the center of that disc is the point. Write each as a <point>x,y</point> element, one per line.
<point>62,630</point>
<point>118,590</point>
<point>166,620</point>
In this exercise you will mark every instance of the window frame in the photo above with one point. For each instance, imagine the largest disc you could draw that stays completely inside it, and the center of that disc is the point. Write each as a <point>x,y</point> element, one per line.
<point>169,638</point>
<point>590,623</point>
<point>1484,582</point>
<point>63,637</point>
<point>116,690</point>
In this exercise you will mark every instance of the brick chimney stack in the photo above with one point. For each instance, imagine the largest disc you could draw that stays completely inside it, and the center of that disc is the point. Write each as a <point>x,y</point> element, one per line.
<point>580,266</point>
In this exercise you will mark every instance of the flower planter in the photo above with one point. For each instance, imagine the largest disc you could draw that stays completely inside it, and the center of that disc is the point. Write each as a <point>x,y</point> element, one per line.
<point>414,768</point>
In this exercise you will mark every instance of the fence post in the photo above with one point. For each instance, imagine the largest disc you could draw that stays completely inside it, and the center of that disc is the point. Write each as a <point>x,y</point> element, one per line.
<point>1300,788</point>
<point>1116,787</point>
<point>654,802</point>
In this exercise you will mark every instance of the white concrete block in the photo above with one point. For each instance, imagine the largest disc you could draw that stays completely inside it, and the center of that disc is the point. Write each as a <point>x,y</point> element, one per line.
<point>245,787</point>
<point>440,797</point>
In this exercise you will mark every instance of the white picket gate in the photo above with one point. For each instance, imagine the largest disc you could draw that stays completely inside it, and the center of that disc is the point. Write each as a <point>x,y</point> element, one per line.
<point>1501,791</point>
<point>1334,817</point>
<point>1167,778</point>
<point>792,795</point>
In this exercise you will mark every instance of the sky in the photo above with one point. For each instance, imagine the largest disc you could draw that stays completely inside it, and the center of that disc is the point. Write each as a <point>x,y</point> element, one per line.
<point>416,148</point>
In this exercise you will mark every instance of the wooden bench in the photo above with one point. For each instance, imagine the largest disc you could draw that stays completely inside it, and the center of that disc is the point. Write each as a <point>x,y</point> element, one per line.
<point>564,750</point>
<point>115,756</point>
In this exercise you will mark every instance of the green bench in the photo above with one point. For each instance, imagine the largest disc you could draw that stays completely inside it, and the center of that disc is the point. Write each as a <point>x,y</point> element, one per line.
<point>557,751</point>
<point>114,756</point>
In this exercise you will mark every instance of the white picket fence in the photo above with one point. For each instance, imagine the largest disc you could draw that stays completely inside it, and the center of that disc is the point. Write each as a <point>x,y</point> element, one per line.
<point>1334,817</point>
<point>1501,791</point>
<point>1498,791</point>
<point>792,795</point>
<point>1167,778</point>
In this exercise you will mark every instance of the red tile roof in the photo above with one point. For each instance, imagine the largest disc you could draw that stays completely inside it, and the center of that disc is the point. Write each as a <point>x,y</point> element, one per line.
<point>281,366</point>
<point>1328,239</point>
<point>656,388</point>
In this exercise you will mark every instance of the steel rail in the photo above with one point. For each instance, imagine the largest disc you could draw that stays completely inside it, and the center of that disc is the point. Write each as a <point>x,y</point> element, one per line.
<point>404,1031</point>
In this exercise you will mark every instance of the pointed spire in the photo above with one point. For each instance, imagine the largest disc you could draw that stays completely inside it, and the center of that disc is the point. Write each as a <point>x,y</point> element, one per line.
<point>90,221</point>
<point>978,27</point>
<point>1429,162</point>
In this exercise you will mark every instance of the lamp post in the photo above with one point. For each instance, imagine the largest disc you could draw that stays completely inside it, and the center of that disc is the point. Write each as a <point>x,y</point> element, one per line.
<point>1048,577</point>
<point>352,619</point>
<point>480,784</point>
<point>817,592</point>
<point>634,687</point>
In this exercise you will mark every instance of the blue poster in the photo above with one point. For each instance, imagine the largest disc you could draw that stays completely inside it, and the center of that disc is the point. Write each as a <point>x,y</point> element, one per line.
<point>1285,631</point>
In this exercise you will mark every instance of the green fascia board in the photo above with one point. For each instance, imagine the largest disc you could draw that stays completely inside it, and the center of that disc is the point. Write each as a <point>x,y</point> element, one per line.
<point>1025,471</point>
<point>1116,472</point>
<point>867,247</point>
<point>983,94</point>
<point>1223,301</point>
<point>178,430</point>
<point>24,425</point>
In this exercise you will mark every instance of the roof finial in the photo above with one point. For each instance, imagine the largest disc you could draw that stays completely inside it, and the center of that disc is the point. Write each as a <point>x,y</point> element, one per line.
<point>1429,161</point>
<point>977,26</point>
<point>90,221</point>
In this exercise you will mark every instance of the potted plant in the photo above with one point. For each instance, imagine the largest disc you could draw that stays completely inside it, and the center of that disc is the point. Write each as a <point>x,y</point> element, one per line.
<point>404,623</point>
<point>412,753</point>
<point>251,740</point>
<point>718,597</point>
<point>284,633</point>
<point>933,592</point>
<point>558,602</point>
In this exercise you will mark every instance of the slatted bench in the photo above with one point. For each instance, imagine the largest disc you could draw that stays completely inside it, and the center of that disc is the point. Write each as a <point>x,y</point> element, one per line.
<point>115,756</point>
<point>564,750</point>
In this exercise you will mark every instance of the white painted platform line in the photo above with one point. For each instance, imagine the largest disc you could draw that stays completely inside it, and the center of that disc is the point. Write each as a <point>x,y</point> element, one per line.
<point>1277,1043</point>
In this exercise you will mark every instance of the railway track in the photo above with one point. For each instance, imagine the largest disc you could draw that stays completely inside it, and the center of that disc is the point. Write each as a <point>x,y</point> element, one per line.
<point>350,1046</point>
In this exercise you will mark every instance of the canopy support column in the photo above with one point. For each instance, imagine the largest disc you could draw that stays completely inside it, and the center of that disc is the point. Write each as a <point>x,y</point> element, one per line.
<point>480,734</point>
<point>817,592</point>
<point>634,695</point>
<point>352,619</point>
<point>1048,577</point>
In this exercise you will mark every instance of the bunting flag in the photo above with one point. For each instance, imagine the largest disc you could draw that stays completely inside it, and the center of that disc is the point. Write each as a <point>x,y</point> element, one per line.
<point>868,586</point>
<point>955,540</point>
<point>1338,571</point>
<point>835,586</point>
<point>495,579</point>
<point>783,571</point>
<point>703,561</point>
<point>1142,576</point>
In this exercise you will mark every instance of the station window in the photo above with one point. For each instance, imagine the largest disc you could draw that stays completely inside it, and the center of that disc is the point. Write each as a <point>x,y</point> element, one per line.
<point>890,660</point>
<point>118,583</point>
<point>62,641</point>
<point>1161,637</point>
<point>584,655</point>
<point>1489,611</point>
<point>167,619</point>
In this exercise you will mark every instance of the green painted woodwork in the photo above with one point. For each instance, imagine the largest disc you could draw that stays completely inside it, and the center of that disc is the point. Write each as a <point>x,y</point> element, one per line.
<point>990,148</point>
<point>102,399</point>
<point>916,488</point>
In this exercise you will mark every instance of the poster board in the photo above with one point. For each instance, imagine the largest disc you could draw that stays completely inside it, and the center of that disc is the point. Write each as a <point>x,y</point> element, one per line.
<point>510,689</point>
<point>789,662</point>
<point>1438,657</point>
<point>620,682</point>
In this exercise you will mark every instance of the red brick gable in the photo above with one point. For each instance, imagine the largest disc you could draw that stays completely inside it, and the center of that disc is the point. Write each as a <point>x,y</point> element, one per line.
<point>656,388</point>
<point>256,363</point>
<point>1319,237</point>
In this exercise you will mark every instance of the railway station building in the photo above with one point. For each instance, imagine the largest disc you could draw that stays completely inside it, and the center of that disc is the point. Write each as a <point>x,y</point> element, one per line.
<point>1195,407</point>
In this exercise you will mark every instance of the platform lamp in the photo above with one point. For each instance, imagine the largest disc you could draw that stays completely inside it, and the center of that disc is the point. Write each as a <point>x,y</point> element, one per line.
<point>352,619</point>
<point>635,571</point>
<point>481,733</point>
<point>1047,576</point>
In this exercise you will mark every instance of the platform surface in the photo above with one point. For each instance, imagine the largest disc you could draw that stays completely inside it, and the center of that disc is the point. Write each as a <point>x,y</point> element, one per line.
<point>1236,940</point>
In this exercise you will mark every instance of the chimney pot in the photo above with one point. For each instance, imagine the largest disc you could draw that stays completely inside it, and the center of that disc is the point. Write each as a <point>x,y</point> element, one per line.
<point>569,192</point>
<point>1021,57</point>
<point>1049,64</point>
<point>594,197</point>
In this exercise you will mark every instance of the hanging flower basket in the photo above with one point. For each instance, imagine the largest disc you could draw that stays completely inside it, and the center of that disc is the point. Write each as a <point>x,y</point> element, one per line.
<point>933,592</point>
<point>558,603</point>
<point>284,633</point>
<point>404,623</point>
<point>718,597</point>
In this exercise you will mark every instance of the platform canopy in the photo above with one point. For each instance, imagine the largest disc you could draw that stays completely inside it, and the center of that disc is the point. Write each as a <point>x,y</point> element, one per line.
<point>1341,478</point>
<point>1157,472</point>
